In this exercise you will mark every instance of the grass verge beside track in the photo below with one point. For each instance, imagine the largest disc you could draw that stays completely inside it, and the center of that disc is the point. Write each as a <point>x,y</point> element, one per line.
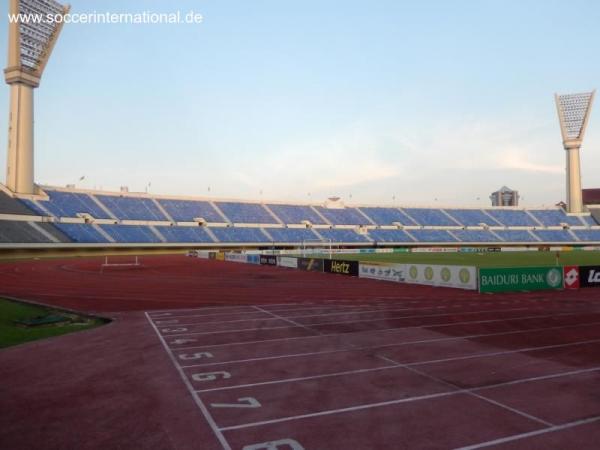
<point>12,333</point>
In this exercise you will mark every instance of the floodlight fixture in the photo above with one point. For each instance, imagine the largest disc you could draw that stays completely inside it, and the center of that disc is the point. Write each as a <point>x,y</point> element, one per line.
<point>34,27</point>
<point>573,115</point>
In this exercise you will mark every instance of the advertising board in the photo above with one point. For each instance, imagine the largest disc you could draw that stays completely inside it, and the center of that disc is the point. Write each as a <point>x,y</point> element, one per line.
<point>385,272</point>
<point>287,261</point>
<point>461,277</point>
<point>268,260</point>
<point>341,267</point>
<point>310,264</point>
<point>589,276</point>
<point>520,279</point>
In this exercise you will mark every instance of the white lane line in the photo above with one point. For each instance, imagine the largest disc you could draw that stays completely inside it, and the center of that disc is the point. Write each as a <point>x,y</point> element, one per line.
<point>470,392</point>
<point>407,366</point>
<point>398,344</point>
<point>384,330</point>
<point>403,400</point>
<point>517,437</point>
<point>353,333</point>
<point>357,322</point>
<point>288,320</point>
<point>195,396</point>
<point>208,308</point>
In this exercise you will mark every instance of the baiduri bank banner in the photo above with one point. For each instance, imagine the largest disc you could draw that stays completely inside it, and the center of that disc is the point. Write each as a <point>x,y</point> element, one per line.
<point>461,277</point>
<point>520,279</point>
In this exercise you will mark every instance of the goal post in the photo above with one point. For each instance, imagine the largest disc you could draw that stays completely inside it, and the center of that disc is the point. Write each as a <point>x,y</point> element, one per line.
<point>310,245</point>
<point>120,261</point>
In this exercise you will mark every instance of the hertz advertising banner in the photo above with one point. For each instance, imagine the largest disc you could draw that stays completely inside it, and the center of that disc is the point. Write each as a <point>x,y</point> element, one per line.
<point>589,276</point>
<point>520,279</point>
<point>341,267</point>
<point>310,264</point>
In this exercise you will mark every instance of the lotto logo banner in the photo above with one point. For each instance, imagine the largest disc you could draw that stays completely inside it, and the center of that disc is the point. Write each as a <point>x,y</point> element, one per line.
<point>341,267</point>
<point>310,264</point>
<point>268,260</point>
<point>520,279</point>
<point>571,277</point>
<point>461,277</point>
<point>589,276</point>
<point>385,272</point>
<point>287,261</point>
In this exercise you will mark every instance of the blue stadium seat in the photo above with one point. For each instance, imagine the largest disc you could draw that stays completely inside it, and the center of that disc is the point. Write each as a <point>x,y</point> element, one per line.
<point>512,217</point>
<point>132,208</point>
<point>33,206</point>
<point>475,236</point>
<point>515,235</point>
<point>389,236</point>
<point>387,216</point>
<point>554,217</point>
<point>231,235</point>
<point>131,233</point>
<point>188,210</point>
<point>341,235</point>
<point>82,233</point>
<point>588,235</point>
<point>291,234</point>
<point>184,234</point>
<point>69,204</point>
<point>471,217</point>
<point>589,221</point>
<point>430,217</point>
<point>295,214</point>
<point>343,216</point>
<point>432,236</point>
<point>245,212</point>
<point>554,235</point>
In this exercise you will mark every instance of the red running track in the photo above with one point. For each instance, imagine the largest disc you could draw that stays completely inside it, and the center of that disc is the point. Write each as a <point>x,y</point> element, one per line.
<point>212,355</point>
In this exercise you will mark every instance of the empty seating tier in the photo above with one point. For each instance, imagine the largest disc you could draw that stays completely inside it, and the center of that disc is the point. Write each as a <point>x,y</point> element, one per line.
<point>389,236</point>
<point>246,212</point>
<point>430,217</point>
<point>342,235</point>
<point>472,217</point>
<point>14,232</point>
<point>387,216</point>
<point>475,236</point>
<point>185,234</point>
<point>82,233</point>
<point>70,204</point>
<point>432,236</point>
<point>188,210</point>
<point>10,205</point>
<point>240,235</point>
<point>512,217</point>
<point>296,214</point>
<point>288,235</point>
<point>555,236</point>
<point>135,234</point>
<point>132,208</point>
<point>554,217</point>
<point>343,216</point>
<point>588,235</point>
<point>515,235</point>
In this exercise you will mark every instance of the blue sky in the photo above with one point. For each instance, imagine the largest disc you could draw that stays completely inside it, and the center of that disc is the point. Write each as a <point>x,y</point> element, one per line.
<point>431,102</point>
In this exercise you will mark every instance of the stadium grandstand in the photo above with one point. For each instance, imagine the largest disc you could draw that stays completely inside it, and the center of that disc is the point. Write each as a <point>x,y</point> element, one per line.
<point>71,216</point>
